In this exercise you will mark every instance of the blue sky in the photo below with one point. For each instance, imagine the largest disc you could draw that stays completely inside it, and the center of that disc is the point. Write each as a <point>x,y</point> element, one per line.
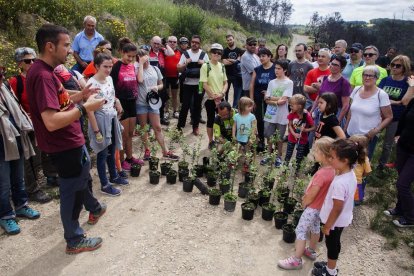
<point>352,9</point>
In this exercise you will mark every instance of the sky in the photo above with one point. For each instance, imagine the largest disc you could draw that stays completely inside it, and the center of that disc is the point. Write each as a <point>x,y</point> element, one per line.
<point>351,10</point>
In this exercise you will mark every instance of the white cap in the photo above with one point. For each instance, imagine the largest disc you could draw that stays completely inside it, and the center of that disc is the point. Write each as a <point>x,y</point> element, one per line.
<point>216,46</point>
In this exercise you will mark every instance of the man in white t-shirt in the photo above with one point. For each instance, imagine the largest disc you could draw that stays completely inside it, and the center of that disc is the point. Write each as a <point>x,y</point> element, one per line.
<point>190,65</point>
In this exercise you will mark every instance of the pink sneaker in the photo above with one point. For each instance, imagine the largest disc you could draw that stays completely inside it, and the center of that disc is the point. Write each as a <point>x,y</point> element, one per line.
<point>310,253</point>
<point>126,166</point>
<point>137,161</point>
<point>290,263</point>
<point>147,154</point>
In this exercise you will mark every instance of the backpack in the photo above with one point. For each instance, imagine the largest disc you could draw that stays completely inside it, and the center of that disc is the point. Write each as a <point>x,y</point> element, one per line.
<point>200,85</point>
<point>193,68</point>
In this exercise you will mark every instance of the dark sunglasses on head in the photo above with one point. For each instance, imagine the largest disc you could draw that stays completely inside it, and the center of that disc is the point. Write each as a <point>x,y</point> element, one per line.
<point>369,54</point>
<point>354,51</point>
<point>29,60</point>
<point>396,65</point>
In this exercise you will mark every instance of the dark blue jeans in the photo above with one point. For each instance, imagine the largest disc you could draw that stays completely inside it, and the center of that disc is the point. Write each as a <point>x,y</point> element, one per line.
<point>11,181</point>
<point>237,89</point>
<point>106,156</point>
<point>74,193</point>
<point>405,196</point>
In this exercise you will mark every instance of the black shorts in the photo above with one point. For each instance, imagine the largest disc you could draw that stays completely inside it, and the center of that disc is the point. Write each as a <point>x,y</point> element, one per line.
<point>173,82</point>
<point>129,107</point>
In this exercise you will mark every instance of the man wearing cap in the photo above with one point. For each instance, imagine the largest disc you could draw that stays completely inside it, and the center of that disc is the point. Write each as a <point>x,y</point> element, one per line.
<point>248,62</point>
<point>190,63</point>
<point>214,79</point>
<point>171,74</point>
<point>354,61</point>
<point>231,60</point>
<point>84,44</point>
<point>157,55</point>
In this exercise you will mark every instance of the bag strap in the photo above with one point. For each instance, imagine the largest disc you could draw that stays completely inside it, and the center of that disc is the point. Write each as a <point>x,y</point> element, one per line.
<point>20,87</point>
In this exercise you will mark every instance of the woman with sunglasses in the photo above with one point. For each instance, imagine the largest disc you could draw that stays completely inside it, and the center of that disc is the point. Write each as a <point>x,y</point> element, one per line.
<point>15,146</point>
<point>370,111</point>
<point>214,79</point>
<point>370,55</point>
<point>396,87</point>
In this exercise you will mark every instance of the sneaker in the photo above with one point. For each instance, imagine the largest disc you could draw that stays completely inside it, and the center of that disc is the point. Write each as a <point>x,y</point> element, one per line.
<point>147,155</point>
<point>137,161</point>
<point>403,223</point>
<point>322,272</point>
<point>94,217</point>
<point>164,122</point>
<point>278,162</point>
<point>211,145</point>
<point>27,212</point>
<point>176,115</point>
<point>125,166</point>
<point>170,155</point>
<point>264,161</point>
<point>310,253</point>
<point>166,115</point>
<point>119,181</point>
<point>85,244</point>
<point>10,226</point>
<point>391,213</point>
<point>123,174</point>
<point>40,197</point>
<point>196,132</point>
<point>110,190</point>
<point>320,264</point>
<point>290,263</point>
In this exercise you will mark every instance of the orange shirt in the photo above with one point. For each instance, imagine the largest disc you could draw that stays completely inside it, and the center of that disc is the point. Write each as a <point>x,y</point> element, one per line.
<point>322,178</point>
<point>171,64</point>
<point>315,75</point>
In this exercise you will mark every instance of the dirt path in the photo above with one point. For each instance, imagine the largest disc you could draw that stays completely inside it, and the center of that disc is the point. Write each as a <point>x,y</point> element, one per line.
<point>295,40</point>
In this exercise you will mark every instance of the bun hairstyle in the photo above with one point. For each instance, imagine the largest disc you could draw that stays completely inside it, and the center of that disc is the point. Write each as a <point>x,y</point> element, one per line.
<point>362,141</point>
<point>350,150</point>
<point>122,41</point>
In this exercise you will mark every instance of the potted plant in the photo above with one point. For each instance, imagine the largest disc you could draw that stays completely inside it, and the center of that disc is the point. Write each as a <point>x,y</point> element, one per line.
<point>188,184</point>
<point>212,178</point>
<point>244,189</point>
<point>172,176</point>
<point>183,163</point>
<point>248,210</point>
<point>214,196</point>
<point>289,235</point>
<point>195,155</point>
<point>135,170</point>
<point>232,156</point>
<point>282,190</point>
<point>154,177</point>
<point>264,196</point>
<point>268,209</point>
<point>253,197</point>
<point>280,217</point>
<point>154,147</point>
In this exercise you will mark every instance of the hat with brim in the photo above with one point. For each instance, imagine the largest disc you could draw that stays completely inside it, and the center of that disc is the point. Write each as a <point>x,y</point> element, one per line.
<point>154,100</point>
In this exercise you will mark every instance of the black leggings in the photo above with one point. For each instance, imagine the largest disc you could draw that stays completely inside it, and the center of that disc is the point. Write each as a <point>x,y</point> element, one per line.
<point>211,112</point>
<point>333,243</point>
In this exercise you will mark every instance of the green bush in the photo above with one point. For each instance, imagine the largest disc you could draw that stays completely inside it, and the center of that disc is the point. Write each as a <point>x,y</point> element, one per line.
<point>189,21</point>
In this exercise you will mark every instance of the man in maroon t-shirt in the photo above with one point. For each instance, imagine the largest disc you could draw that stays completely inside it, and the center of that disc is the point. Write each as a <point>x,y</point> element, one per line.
<point>58,133</point>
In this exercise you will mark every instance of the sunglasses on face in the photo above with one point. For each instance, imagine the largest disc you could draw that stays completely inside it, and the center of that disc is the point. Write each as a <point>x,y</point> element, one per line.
<point>195,42</point>
<point>29,60</point>
<point>252,44</point>
<point>369,54</point>
<point>216,52</point>
<point>354,51</point>
<point>396,65</point>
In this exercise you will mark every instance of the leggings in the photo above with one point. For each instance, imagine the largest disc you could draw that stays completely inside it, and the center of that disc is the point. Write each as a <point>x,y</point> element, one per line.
<point>300,152</point>
<point>333,243</point>
<point>211,112</point>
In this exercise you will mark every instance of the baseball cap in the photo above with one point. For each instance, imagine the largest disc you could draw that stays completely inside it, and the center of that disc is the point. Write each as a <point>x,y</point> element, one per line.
<point>154,100</point>
<point>216,46</point>
<point>357,46</point>
<point>183,40</point>
<point>251,40</point>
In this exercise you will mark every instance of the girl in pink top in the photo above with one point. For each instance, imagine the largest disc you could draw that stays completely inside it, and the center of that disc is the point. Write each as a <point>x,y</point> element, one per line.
<point>312,201</point>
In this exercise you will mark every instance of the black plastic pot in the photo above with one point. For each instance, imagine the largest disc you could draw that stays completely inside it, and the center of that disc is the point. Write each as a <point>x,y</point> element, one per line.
<point>229,206</point>
<point>254,198</point>
<point>135,170</point>
<point>282,194</point>
<point>263,198</point>
<point>225,174</point>
<point>214,196</point>
<point>289,205</point>
<point>188,184</point>
<point>153,163</point>
<point>289,234</point>
<point>268,209</point>
<point>182,173</point>
<point>208,169</point>
<point>249,177</point>
<point>224,188</point>
<point>211,180</point>
<point>296,216</point>
<point>201,186</point>
<point>206,161</point>
<point>269,183</point>
<point>165,168</point>
<point>182,165</point>
<point>280,219</point>
<point>154,177</point>
<point>199,170</point>
<point>247,210</point>
<point>244,189</point>
<point>172,177</point>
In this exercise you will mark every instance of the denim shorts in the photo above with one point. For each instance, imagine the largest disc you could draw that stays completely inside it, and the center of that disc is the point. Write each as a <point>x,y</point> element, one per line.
<point>145,109</point>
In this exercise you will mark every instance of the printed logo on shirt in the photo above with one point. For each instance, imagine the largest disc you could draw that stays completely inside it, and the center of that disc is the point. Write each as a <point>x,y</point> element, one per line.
<point>393,92</point>
<point>264,78</point>
<point>64,98</point>
<point>319,129</point>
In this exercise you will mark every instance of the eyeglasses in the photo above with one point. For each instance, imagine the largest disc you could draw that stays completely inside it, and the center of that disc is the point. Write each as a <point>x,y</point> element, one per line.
<point>195,42</point>
<point>354,51</point>
<point>369,54</point>
<point>334,64</point>
<point>29,60</point>
<point>252,44</point>
<point>369,76</point>
<point>172,41</point>
<point>216,52</point>
<point>396,65</point>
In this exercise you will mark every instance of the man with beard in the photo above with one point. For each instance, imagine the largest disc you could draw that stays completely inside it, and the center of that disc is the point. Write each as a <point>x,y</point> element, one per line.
<point>354,61</point>
<point>298,69</point>
<point>231,60</point>
<point>248,62</point>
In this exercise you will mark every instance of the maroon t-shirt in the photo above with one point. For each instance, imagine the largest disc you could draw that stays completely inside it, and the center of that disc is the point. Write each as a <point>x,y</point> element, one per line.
<point>45,91</point>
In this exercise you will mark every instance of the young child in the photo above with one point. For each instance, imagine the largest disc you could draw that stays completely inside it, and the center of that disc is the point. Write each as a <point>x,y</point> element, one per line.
<point>300,124</point>
<point>277,95</point>
<point>312,202</point>
<point>328,122</point>
<point>104,127</point>
<point>245,124</point>
<point>361,170</point>
<point>336,212</point>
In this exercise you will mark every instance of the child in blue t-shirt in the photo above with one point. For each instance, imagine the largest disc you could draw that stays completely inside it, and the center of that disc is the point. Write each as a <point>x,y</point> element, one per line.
<point>245,124</point>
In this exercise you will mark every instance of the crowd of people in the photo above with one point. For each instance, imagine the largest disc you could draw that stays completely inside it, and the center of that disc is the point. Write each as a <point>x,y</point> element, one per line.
<point>333,102</point>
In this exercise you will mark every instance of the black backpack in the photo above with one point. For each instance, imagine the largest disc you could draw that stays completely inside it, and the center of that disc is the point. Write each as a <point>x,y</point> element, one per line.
<point>193,68</point>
